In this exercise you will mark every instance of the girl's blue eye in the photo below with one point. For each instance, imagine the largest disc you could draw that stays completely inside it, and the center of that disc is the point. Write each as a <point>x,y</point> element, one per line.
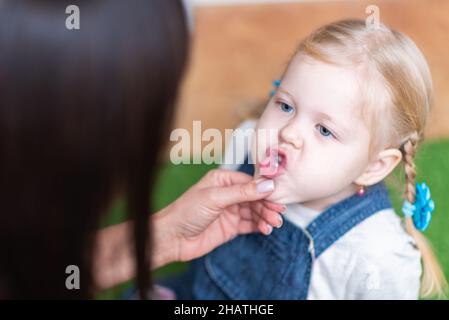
<point>286,108</point>
<point>324,131</point>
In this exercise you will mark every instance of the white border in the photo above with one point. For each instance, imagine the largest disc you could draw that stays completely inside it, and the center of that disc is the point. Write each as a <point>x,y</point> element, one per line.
<point>238,2</point>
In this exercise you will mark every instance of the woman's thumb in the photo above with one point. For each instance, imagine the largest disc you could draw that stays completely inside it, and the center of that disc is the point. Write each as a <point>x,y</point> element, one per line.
<point>237,193</point>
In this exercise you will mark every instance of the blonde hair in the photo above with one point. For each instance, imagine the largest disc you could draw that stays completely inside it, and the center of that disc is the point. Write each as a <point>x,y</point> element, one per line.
<point>399,101</point>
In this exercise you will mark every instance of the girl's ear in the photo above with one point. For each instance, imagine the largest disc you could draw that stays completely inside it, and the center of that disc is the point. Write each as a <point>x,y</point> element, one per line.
<point>380,167</point>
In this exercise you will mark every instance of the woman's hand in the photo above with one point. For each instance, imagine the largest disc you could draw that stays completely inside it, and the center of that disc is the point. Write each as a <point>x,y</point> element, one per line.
<point>222,205</point>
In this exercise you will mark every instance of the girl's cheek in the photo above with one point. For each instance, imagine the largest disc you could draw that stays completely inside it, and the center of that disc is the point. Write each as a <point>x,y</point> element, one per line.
<point>265,119</point>
<point>268,123</point>
<point>273,120</point>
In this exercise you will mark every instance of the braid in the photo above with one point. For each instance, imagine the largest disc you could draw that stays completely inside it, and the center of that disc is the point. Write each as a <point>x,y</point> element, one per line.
<point>409,151</point>
<point>433,280</point>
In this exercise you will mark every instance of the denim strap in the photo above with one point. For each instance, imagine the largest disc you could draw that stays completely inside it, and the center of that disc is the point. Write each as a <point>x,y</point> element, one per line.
<point>338,219</point>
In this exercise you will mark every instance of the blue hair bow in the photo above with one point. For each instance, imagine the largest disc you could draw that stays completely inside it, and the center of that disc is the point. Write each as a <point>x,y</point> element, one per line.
<point>276,84</point>
<point>421,209</point>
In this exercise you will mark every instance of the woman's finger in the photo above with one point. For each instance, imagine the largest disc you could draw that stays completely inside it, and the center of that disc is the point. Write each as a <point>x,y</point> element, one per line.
<point>257,208</point>
<point>221,197</point>
<point>264,227</point>
<point>245,211</point>
<point>247,226</point>
<point>272,217</point>
<point>261,225</point>
<point>269,216</point>
<point>274,206</point>
<point>223,178</point>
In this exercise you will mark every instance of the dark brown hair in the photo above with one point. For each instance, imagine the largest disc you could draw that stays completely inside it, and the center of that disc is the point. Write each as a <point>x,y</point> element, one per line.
<point>83,116</point>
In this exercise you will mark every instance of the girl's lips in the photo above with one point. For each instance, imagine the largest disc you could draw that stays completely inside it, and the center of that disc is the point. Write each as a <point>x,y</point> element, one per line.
<point>274,164</point>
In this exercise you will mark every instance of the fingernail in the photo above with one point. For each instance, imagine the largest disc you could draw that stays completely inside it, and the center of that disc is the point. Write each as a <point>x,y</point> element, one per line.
<point>284,207</point>
<point>265,186</point>
<point>281,221</point>
<point>270,229</point>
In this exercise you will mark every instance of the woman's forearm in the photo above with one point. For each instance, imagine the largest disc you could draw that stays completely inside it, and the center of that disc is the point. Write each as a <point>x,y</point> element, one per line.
<point>113,256</point>
<point>114,260</point>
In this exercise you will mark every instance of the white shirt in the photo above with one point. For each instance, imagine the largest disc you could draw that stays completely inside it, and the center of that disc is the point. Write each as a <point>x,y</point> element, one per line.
<point>376,259</point>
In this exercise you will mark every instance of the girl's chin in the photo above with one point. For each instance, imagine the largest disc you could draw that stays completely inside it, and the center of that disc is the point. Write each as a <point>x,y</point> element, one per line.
<point>277,197</point>
<point>284,196</point>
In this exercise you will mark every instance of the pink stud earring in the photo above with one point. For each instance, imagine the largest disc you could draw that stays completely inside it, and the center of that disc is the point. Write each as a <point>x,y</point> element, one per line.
<point>361,191</point>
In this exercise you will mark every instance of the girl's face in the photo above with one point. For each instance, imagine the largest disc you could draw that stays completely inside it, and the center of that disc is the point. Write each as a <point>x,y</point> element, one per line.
<point>322,142</point>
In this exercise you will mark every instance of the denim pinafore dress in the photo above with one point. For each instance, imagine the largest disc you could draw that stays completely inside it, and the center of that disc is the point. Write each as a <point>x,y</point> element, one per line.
<point>278,266</point>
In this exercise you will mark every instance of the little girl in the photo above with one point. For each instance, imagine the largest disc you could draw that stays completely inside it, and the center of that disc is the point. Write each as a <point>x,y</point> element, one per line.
<point>351,105</point>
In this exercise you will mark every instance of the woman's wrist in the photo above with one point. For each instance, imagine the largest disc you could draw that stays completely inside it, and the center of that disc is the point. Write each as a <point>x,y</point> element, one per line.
<point>165,241</point>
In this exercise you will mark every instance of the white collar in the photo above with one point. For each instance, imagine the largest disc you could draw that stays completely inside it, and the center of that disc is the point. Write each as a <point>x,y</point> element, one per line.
<point>300,215</point>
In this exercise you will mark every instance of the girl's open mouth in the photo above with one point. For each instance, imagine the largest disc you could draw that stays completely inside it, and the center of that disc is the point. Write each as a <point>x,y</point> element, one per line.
<point>274,164</point>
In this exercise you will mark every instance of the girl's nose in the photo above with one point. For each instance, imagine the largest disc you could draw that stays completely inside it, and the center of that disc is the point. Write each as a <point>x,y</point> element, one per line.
<point>291,134</point>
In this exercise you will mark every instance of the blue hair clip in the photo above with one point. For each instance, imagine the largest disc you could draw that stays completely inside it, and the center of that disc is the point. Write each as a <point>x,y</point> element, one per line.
<point>276,84</point>
<point>421,210</point>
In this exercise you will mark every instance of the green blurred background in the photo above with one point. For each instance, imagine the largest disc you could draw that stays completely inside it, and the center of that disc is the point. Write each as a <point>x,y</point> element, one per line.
<point>432,162</point>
